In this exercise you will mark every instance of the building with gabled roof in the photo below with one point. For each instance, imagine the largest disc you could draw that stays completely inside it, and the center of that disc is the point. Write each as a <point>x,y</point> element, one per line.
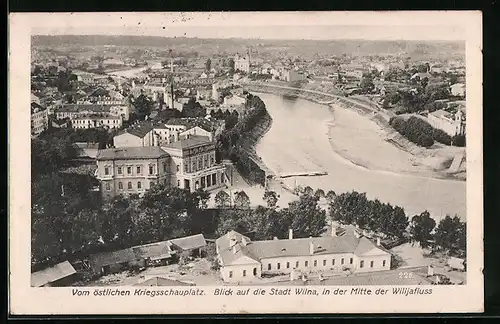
<point>59,275</point>
<point>243,260</point>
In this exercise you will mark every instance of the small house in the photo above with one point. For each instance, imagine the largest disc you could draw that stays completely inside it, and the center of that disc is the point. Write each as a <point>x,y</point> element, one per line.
<point>60,275</point>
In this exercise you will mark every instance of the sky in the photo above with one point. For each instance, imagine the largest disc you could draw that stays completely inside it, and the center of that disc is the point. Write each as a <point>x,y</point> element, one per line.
<point>317,26</point>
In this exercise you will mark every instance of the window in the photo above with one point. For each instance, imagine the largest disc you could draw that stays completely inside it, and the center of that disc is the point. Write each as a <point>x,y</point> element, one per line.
<point>288,265</point>
<point>151,169</point>
<point>178,183</point>
<point>371,264</point>
<point>119,170</point>
<point>120,185</point>
<point>211,160</point>
<point>361,264</point>
<point>139,185</point>
<point>209,183</point>
<point>164,166</point>
<point>278,266</point>
<point>244,273</point>
<point>269,266</point>
<point>306,263</point>
<point>342,261</point>
<point>230,274</point>
<point>254,271</point>
<point>178,168</point>
<point>138,170</point>
<point>214,179</point>
<point>106,170</point>
<point>383,263</point>
<point>129,185</point>
<point>203,182</point>
<point>333,261</point>
<point>297,264</point>
<point>324,262</point>
<point>108,187</point>
<point>129,170</point>
<point>315,263</point>
<point>350,261</point>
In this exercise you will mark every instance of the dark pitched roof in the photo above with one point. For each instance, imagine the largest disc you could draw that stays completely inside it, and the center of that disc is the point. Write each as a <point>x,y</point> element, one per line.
<point>189,242</point>
<point>146,152</point>
<point>193,122</point>
<point>57,272</point>
<point>153,251</point>
<point>191,141</point>
<point>36,107</point>
<point>139,130</point>
<point>84,107</point>
<point>159,281</point>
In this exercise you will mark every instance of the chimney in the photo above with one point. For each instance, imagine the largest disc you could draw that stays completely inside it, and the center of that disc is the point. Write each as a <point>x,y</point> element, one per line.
<point>437,280</point>
<point>334,231</point>
<point>290,234</point>
<point>244,241</point>
<point>356,234</point>
<point>292,275</point>
<point>311,248</point>
<point>430,270</point>
<point>378,241</point>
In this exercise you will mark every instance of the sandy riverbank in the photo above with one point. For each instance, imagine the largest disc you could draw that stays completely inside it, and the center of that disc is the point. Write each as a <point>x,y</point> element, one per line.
<point>387,151</point>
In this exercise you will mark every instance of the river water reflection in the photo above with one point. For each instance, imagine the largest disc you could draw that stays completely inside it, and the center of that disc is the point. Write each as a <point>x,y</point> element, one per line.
<point>298,141</point>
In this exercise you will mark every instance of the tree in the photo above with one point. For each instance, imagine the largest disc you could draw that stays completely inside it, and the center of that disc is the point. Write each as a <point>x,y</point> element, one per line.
<point>320,193</point>
<point>366,84</point>
<point>231,65</point>
<point>203,198</point>
<point>222,199</point>
<point>421,228</point>
<point>241,199</point>
<point>208,64</point>
<point>271,198</point>
<point>451,235</point>
<point>143,106</point>
<point>308,191</point>
<point>304,217</point>
<point>330,196</point>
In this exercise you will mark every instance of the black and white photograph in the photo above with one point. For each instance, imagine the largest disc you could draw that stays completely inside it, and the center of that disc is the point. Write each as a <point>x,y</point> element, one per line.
<point>300,159</point>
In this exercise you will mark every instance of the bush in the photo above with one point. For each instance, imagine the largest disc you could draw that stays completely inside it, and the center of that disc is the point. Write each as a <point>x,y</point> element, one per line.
<point>441,136</point>
<point>414,129</point>
<point>458,140</point>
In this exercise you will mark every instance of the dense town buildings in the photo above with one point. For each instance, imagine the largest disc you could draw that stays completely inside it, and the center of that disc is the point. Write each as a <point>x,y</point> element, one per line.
<point>39,119</point>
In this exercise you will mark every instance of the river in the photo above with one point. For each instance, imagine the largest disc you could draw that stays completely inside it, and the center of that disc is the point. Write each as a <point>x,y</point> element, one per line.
<point>130,73</point>
<point>298,141</point>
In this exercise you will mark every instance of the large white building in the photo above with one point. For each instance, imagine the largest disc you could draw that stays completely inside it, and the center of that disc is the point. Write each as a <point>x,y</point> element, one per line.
<point>243,260</point>
<point>73,111</point>
<point>242,63</point>
<point>39,119</point>
<point>452,124</point>
<point>188,163</point>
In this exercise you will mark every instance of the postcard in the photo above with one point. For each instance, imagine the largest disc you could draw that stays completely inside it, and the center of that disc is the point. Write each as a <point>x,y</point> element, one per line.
<point>245,163</point>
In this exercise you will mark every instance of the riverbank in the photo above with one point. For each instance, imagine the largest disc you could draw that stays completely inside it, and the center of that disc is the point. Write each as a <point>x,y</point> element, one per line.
<point>365,150</point>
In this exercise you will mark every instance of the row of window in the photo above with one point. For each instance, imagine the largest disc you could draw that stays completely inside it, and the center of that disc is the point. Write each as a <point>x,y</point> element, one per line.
<point>119,170</point>
<point>200,163</point>
<point>244,273</point>
<point>315,264</point>
<point>129,185</point>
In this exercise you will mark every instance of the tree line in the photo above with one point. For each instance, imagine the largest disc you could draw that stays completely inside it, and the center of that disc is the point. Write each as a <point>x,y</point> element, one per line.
<point>353,208</point>
<point>234,142</point>
<point>422,133</point>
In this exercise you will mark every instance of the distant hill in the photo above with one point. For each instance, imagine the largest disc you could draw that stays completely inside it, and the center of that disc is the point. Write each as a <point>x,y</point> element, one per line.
<point>415,49</point>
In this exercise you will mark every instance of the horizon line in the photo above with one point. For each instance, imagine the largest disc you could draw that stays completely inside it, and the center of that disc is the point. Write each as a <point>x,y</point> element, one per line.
<point>254,38</point>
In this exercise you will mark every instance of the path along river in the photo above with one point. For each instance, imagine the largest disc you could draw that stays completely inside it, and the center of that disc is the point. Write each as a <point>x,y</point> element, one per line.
<point>299,141</point>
